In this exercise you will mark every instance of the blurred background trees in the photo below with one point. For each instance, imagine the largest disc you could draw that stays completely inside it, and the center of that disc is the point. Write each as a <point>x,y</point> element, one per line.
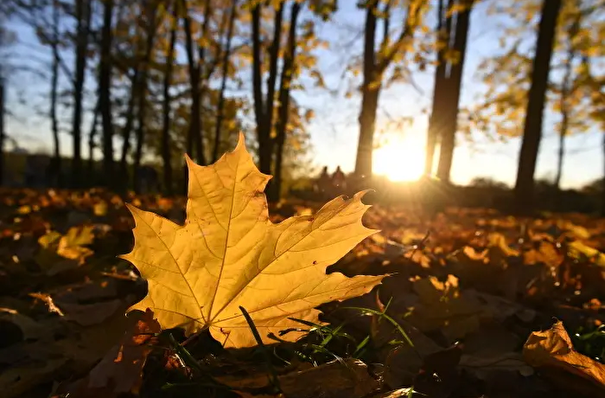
<point>142,82</point>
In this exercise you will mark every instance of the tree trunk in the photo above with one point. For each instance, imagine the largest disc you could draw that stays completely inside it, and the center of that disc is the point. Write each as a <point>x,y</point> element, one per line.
<point>91,144</point>
<point>129,124</point>
<point>105,94</point>
<point>564,121</point>
<point>284,103</point>
<point>55,169</point>
<point>532,132</point>
<point>444,24</point>
<point>370,91</point>
<point>271,81</point>
<point>225,72</point>
<point>566,89</point>
<point>2,133</point>
<point>602,180</point>
<point>166,158</point>
<point>259,107</point>
<point>199,134</point>
<point>151,30</point>
<point>452,96</point>
<point>264,108</point>
<point>194,83</point>
<point>83,16</point>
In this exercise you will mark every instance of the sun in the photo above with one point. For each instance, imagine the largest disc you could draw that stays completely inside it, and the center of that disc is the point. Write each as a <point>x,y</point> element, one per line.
<point>400,158</point>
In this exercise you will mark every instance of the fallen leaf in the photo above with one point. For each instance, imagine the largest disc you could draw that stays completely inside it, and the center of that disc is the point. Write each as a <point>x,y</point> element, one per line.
<point>18,380</point>
<point>90,314</point>
<point>348,378</point>
<point>71,245</point>
<point>440,306</point>
<point>121,369</point>
<point>553,349</point>
<point>229,254</point>
<point>484,367</point>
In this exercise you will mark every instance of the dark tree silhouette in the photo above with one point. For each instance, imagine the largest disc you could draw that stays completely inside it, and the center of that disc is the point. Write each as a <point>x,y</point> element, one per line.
<point>532,131</point>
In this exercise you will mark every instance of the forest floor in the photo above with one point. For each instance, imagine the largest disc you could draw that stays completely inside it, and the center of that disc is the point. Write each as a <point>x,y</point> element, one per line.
<point>468,288</point>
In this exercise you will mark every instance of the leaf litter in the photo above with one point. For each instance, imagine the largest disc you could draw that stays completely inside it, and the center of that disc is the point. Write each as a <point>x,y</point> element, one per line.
<point>493,306</point>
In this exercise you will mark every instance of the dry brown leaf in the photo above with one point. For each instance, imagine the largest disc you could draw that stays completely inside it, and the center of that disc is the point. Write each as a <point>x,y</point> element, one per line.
<point>440,306</point>
<point>348,378</point>
<point>229,254</point>
<point>553,349</point>
<point>120,370</point>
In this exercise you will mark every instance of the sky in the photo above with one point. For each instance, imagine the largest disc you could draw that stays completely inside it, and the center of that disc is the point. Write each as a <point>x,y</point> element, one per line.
<point>335,130</point>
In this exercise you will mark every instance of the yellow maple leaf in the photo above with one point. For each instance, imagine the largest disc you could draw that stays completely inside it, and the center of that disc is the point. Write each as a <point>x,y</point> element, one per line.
<point>229,254</point>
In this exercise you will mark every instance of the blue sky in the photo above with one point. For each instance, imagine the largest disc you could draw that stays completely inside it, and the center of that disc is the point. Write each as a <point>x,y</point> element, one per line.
<point>335,129</point>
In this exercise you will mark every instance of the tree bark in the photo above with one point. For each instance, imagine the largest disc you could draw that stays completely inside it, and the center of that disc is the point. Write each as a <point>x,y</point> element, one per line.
<point>444,23</point>
<point>194,83</point>
<point>129,124</point>
<point>199,136</point>
<point>105,94</point>
<point>259,107</point>
<point>150,33</point>
<point>55,168</point>
<point>271,81</point>
<point>452,96</point>
<point>373,70</point>
<point>83,16</point>
<point>166,158</point>
<point>566,90</point>
<point>284,102</point>
<point>532,132</point>
<point>564,120</point>
<point>602,180</point>
<point>370,91</point>
<point>2,133</point>
<point>91,143</point>
<point>225,71</point>
<point>263,109</point>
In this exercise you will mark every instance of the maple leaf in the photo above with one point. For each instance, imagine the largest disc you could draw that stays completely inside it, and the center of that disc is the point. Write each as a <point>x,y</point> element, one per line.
<point>229,254</point>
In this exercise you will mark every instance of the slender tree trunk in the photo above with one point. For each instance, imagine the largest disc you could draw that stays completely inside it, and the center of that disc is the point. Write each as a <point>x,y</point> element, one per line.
<point>151,30</point>
<point>129,123</point>
<point>264,108</point>
<point>602,180</point>
<point>452,96</point>
<point>370,92</point>
<point>199,134</point>
<point>434,129</point>
<point>532,132</point>
<point>566,89</point>
<point>166,158</point>
<point>284,102</point>
<point>55,169</point>
<point>83,17</point>
<point>444,24</point>
<point>105,93</point>
<point>374,66</point>
<point>225,73</point>
<point>271,81</point>
<point>91,143</point>
<point>564,121</point>
<point>2,132</point>
<point>194,83</point>
<point>259,106</point>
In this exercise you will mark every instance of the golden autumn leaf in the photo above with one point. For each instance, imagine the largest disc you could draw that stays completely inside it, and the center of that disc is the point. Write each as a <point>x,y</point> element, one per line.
<point>229,254</point>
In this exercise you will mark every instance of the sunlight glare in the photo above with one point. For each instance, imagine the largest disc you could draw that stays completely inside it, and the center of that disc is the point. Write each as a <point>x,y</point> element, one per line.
<point>401,158</point>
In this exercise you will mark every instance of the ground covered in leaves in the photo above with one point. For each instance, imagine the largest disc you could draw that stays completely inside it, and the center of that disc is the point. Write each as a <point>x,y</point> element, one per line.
<point>477,304</point>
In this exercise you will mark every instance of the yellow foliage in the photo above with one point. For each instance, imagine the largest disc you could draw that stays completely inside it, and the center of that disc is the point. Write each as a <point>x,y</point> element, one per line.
<point>229,254</point>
